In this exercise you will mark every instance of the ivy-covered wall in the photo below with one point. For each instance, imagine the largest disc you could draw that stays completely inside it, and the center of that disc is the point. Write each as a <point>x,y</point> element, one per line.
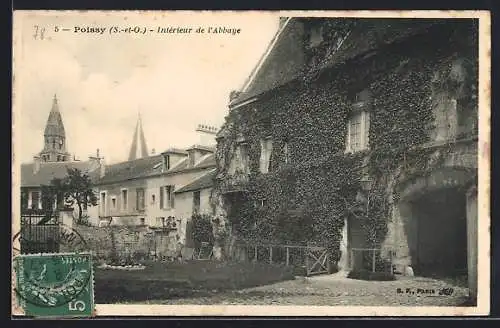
<point>307,199</point>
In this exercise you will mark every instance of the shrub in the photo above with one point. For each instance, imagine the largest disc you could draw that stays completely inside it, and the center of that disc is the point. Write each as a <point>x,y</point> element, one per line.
<point>371,276</point>
<point>202,230</point>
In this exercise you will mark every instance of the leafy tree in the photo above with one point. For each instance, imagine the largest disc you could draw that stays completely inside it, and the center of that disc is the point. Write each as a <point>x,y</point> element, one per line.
<point>74,188</point>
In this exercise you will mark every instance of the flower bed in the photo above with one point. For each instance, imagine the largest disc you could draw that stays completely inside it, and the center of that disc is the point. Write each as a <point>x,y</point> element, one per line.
<point>122,267</point>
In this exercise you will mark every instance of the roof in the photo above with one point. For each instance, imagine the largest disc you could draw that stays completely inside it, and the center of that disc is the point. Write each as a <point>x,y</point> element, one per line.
<point>54,126</point>
<point>203,182</point>
<point>51,170</point>
<point>286,62</point>
<point>148,167</point>
<point>175,151</point>
<point>202,147</point>
<point>132,169</point>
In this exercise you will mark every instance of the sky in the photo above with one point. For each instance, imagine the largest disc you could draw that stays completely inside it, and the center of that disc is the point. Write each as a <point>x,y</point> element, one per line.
<point>103,81</point>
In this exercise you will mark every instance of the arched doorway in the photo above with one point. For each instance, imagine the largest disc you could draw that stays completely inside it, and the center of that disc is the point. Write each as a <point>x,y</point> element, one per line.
<point>434,211</point>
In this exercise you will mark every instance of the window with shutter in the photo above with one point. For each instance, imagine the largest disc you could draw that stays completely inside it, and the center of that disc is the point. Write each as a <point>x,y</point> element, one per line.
<point>162,198</point>
<point>266,149</point>
<point>172,196</point>
<point>358,128</point>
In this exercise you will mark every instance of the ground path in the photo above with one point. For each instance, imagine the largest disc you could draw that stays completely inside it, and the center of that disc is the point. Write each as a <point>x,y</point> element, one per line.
<point>336,289</point>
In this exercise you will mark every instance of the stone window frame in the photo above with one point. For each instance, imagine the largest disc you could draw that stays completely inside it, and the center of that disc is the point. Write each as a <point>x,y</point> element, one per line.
<point>124,200</point>
<point>364,126</point>
<point>103,208</point>
<point>266,152</point>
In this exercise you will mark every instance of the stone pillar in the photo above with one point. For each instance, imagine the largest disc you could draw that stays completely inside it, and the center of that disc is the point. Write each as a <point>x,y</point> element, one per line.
<point>343,264</point>
<point>66,216</point>
<point>472,240</point>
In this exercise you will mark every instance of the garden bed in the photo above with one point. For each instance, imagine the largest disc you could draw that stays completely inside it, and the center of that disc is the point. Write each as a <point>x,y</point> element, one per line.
<point>173,280</point>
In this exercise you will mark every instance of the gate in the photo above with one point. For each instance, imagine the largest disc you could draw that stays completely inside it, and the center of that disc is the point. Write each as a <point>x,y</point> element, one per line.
<point>40,233</point>
<point>316,260</point>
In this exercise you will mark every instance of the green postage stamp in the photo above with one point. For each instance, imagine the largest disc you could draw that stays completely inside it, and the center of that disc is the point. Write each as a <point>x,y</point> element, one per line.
<point>55,285</point>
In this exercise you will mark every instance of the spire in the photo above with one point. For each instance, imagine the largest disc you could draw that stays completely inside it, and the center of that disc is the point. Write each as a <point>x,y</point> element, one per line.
<point>54,136</point>
<point>138,148</point>
<point>55,126</point>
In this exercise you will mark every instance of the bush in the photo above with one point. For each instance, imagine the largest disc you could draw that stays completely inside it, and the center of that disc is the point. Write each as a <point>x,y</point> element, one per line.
<point>371,276</point>
<point>202,230</point>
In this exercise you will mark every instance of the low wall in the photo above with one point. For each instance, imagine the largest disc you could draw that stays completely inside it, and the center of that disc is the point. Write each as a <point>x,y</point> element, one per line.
<point>139,242</point>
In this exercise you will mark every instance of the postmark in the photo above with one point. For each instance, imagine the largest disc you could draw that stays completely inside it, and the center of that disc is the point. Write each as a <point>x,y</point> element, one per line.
<point>55,284</point>
<point>66,239</point>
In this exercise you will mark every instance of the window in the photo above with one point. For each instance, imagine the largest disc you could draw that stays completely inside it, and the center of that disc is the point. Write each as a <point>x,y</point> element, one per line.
<point>170,196</point>
<point>162,198</point>
<point>446,120</point>
<point>24,200</point>
<point>358,128</point>
<point>286,153</point>
<point>35,200</point>
<point>196,202</point>
<point>143,222</point>
<point>140,199</point>
<point>167,198</point>
<point>53,143</point>
<point>124,199</point>
<point>166,162</point>
<point>191,159</point>
<point>266,149</point>
<point>103,203</point>
<point>113,202</point>
<point>153,199</point>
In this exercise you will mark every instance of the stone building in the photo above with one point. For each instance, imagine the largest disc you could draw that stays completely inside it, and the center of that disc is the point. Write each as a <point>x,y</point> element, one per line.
<point>53,162</point>
<point>361,133</point>
<point>143,191</point>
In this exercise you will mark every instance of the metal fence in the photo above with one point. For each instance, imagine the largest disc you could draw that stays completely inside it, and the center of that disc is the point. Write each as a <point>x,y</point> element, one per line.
<point>311,259</point>
<point>40,232</point>
<point>370,259</point>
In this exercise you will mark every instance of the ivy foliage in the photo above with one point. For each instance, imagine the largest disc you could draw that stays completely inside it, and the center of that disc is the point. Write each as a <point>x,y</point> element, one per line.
<point>309,198</point>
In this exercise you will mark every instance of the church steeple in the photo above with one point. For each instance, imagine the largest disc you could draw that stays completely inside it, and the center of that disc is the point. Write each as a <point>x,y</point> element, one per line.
<point>138,148</point>
<point>54,149</point>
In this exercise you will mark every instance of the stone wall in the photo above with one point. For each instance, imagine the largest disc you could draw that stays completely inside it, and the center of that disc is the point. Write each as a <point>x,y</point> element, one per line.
<point>135,241</point>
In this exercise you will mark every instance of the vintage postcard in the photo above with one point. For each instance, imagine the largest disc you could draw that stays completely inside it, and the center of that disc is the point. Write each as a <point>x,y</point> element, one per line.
<point>251,163</point>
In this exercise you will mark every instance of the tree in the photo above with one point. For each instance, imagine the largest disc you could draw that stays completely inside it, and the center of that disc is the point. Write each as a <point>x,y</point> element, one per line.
<point>74,188</point>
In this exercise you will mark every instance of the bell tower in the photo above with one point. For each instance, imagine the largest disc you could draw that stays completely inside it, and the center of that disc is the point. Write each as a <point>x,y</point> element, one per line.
<point>54,149</point>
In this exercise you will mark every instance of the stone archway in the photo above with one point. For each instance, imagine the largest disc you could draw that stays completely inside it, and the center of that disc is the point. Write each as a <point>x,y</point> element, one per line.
<point>437,216</point>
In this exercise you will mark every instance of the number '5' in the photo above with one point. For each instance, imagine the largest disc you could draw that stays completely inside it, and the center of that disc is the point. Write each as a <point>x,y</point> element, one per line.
<point>76,306</point>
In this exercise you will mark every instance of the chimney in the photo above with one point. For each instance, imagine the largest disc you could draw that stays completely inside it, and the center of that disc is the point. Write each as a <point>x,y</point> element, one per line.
<point>206,135</point>
<point>36,164</point>
<point>233,95</point>
<point>97,162</point>
<point>153,151</point>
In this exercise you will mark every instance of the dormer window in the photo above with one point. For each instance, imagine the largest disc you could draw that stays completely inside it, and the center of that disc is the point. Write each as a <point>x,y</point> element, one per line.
<point>240,158</point>
<point>166,162</point>
<point>358,127</point>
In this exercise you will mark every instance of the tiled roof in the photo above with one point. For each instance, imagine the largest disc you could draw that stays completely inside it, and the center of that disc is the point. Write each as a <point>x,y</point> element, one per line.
<point>203,182</point>
<point>51,170</point>
<point>132,169</point>
<point>208,161</point>
<point>367,35</point>
<point>147,167</point>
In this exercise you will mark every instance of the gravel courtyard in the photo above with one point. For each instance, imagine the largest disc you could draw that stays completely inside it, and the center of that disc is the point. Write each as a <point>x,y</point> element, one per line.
<point>336,290</point>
